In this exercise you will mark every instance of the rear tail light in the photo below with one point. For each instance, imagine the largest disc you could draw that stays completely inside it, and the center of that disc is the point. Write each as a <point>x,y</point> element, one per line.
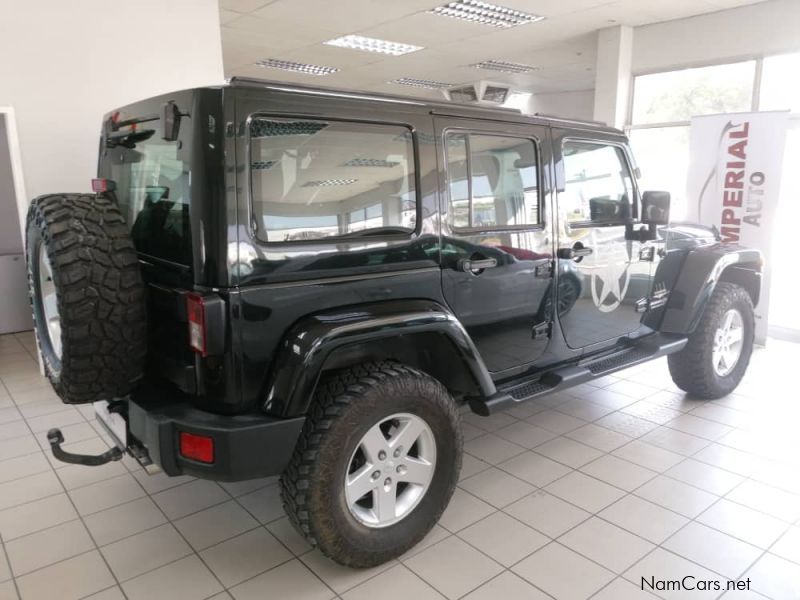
<point>102,185</point>
<point>197,447</point>
<point>196,312</point>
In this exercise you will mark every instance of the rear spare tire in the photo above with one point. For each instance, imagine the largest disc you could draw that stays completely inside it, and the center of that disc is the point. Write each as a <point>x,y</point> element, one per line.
<point>87,296</point>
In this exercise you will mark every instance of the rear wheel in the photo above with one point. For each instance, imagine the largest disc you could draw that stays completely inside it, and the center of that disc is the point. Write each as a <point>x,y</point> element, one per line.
<point>87,296</point>
<point>716,357</point>
<point>376,465</point>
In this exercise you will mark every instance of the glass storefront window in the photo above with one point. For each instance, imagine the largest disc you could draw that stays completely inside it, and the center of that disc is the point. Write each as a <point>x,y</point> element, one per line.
<point>679,95</point>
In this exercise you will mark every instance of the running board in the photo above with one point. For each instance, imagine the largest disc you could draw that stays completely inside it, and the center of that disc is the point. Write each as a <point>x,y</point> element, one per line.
<point>585,370</point>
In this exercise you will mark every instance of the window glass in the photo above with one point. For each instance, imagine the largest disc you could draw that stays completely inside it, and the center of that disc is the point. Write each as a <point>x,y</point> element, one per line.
<point>680,95</point>
<point>662,154</point>
<point>598,186</point>
<point>152,188</point>
<point>322,179</point>
<point>780,86</point>
<point>492,180</point>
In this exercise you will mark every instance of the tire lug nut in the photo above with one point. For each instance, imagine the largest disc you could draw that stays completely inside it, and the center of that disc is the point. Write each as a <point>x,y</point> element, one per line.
<point>381,455</point>
<point>401,469</point>
<point>398,452</point>
<point>375,475</point>
<point>388,482</point>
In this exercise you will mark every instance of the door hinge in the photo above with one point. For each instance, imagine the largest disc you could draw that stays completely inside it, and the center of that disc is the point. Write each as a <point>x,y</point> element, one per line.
<point>544,270</point>
<point>647,254</point>
<point>541,330</point>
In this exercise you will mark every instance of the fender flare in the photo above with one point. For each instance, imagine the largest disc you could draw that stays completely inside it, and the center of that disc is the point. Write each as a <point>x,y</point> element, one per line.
<point>702,269</point>
<point>311,341</point>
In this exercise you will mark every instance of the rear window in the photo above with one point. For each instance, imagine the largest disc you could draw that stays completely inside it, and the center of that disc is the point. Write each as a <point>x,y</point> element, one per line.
<point>152,179</point>
<point>331,179</point>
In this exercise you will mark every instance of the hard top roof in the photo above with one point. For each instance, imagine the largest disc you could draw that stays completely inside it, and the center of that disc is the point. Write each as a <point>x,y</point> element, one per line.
<point>440,107</point>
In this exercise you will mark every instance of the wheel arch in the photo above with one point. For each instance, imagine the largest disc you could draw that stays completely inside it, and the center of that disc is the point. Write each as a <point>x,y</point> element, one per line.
<point>420,333</point>
<point>698,277</point>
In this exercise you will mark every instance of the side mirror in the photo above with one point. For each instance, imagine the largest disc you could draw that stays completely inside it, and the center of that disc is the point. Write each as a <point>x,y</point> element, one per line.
<point>170,121</point>
<point>655,208</point>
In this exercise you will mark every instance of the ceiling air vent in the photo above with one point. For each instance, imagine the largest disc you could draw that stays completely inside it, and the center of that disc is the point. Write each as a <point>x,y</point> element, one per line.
<point>481,92</point>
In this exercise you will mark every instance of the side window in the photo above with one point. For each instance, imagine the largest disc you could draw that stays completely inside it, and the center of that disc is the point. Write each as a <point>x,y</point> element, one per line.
<point>492,180</point>
<point>331,179</point>
<point>598,184</point>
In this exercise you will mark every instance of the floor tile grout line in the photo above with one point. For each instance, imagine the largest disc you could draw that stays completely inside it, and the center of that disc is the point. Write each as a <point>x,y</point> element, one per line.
<point>83,522</point>
<point>295,556</point>
<point>175,528</point>
<point>8,566</point>
<point>683,459</point>
<point>597,515</point>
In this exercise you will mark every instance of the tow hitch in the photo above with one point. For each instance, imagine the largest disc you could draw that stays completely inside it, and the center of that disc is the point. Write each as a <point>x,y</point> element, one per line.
<point>56,438</point>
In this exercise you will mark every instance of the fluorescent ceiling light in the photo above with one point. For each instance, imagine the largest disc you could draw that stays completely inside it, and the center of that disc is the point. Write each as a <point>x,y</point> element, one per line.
<point>329,182</point>
<point>262,165</point>
<point>368,44</point>
<point>288,65</point>
<point>371,162</point>
<point>504,67</point>
<point>485,13</point>
<point>421,83</point>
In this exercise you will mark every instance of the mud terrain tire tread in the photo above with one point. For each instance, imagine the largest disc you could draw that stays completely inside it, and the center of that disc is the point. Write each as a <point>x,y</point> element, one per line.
<point>691,368</point>
<point>337,399</point>
<point>100,296</point>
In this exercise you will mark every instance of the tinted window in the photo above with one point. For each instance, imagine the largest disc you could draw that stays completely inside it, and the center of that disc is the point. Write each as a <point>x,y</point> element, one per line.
<point>598,186</point>
<point>152,187</point>
<point>492,180</point>
<point>325,179</point>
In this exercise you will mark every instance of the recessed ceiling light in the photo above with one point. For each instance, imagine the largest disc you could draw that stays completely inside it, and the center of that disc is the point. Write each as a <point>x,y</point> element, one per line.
<point>262,165</point>
<point>371,162</point>
<point>288,65</point>
<point>368,44</point>
<point>421,83</point>
<point>485,13</point>
<point>505,67</point>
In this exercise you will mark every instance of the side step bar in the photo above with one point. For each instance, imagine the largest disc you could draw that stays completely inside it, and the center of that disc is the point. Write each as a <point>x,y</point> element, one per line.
<point>585,370</point>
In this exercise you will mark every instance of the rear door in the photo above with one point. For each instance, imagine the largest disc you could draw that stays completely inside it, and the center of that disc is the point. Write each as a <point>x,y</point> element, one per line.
<point>598,212</point>
<point>496,250</point>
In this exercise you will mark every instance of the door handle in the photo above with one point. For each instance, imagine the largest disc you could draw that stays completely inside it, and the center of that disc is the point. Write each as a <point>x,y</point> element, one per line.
<point>470,266</point>
<point>576,253</point>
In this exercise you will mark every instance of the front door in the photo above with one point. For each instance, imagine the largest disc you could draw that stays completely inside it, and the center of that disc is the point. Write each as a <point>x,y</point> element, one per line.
<point>496,248</point>
<point>598,219</point>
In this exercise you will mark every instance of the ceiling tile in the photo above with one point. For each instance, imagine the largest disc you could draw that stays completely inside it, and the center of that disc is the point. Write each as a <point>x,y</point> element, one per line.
<point>243,6</point>
<point>564,45</point>
<point>344,16</point>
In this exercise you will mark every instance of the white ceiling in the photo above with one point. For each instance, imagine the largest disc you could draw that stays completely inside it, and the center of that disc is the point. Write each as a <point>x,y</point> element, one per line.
<point>563,46</point>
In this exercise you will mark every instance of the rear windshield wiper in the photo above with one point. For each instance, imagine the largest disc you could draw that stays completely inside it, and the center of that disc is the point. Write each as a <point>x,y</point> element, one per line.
<point>130,139</point>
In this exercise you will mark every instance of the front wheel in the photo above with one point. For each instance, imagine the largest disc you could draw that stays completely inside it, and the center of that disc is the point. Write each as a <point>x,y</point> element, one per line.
<point>376,464</point>
<point>714,361</point>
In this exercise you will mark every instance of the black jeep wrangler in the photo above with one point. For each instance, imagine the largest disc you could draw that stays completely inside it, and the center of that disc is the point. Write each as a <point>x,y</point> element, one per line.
<point>273,279</point>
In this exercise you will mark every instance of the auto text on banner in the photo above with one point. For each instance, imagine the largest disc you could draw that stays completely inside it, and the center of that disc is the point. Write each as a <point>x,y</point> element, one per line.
<point>734,182</point>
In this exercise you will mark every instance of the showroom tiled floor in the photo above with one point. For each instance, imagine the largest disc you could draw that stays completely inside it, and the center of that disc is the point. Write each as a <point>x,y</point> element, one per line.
<point>573,497</point>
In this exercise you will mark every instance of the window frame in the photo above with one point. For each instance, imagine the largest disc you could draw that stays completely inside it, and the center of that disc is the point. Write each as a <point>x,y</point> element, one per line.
<point>540,226</point>
<point>253,227</point>
<point>634,220</point>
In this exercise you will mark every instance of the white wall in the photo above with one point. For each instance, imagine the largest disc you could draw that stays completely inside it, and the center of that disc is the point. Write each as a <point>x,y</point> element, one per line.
<point>771,27</point>
<point>64,64</point>
<point>10,238</point>
<point>573,105</point>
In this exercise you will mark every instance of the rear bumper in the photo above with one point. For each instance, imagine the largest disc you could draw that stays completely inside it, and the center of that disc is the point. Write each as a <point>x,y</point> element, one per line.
<point>245,446</point>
